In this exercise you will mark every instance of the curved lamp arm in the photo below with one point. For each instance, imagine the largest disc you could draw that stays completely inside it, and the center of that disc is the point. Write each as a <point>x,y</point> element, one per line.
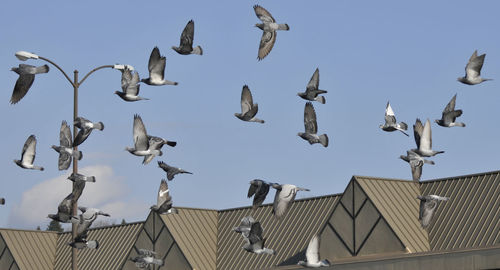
<point>58,67</point>
<point>94,70</point>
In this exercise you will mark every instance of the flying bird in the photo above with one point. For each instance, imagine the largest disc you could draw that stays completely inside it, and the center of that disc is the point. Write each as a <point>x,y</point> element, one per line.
<point>255,243</point>
<point>248,108</point>
<point>65,149</point>
<point>28,155</point>
<point>156,69</point>
<point>284,197</point>
<point>64,209</point>
<point>2,201</point>
<point>269,28</point>
<point>86,127</point>
<point>26,78</point>
<point>259,189</point>
<point>186,43</point>
<point>74,177</point>
<point>156,143</point>
<point>145,259</point>
<point>423,139</point>
<point>311,127</point>
<point>171,171</point>
<point>245,226</point>
<point>390,121</point>
<point>312,255</point>
<point>164,200</point>
<point>312,92</point>
<point>450,115</point>
<point>86,218</point>
<point>130,86</point>
<point>428,205</point>
<point>473,70</point>
<point>81,243</point>
<point>416,163</point>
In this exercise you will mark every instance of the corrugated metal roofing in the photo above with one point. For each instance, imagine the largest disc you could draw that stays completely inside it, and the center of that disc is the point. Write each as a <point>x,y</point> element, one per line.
<point>397,201</point>
<point>288,237</point>
<point>195,232</point>
<point>115,243</point>
<point>471,218</point>
<point>31,249</point>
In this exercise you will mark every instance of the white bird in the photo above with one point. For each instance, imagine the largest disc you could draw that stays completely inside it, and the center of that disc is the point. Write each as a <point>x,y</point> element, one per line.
<point>473,70</point>
<point>269,28</point>
<point>248,108</point>
<point>28,155</point>
<point>284,197</point>
<point>450,115</point>
<point>423,139</point>
<point>311,127</point>
<point>428,205</point>
<point>390,121</point>
<point>312,255</point>
<point>65,148</point>
<point>156,69</point>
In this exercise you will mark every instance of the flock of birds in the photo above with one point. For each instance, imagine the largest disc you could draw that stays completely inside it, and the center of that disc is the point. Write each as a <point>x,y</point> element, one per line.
<point>149,146</point>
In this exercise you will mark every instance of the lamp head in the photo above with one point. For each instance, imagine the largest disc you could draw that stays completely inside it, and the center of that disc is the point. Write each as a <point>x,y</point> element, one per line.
<point>24,55</point>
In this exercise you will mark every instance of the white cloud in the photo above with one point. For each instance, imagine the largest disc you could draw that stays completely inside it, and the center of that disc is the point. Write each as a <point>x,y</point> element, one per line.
<point>108,193</point>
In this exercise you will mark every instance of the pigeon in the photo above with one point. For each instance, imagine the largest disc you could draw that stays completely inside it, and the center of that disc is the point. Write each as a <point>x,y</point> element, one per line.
<point>259,189</point>
<point>86,218</point>
<point>25,80</point>
<point>28,155</point>
<point>164,200</point>
<point>81,243</point>
<point>74,177</point>
<point>312,255</point>
<point>145,259</point>
<point>65,149</point>
<point>64,209</point>
<point>268,27</point>
<point>255,241</point>
<point>423,138</point>
<point>285,194</point>
<point>156,143</point>
<point>450,115</point>
<point>390,121</point>
<point>156,69</point>
<point>312,92</point>
<point>473,70</point>
<point>171,171</point>
<point>248,108</point>
<point>186,43</point>
<point>428,205</point>
<point>416,163</point>
<point>130,86</point>
<point>245,226</point>
<point>311,127</point>
<point>86,128</point>
<point>2,201</point>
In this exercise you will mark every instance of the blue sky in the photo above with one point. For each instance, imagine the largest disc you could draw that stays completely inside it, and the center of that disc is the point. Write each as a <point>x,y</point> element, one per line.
<point>368,52</point>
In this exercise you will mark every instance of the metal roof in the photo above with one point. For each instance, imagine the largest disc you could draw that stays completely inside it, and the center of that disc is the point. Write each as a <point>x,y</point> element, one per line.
<point>288,237</point>
<point>397,202</point>
<point>115,243</point>
<point>31,249</point>
<point>195,232</point>
<point>471,218</point>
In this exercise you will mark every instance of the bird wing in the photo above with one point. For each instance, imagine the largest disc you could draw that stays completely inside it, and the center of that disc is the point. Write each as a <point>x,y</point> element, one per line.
<point>246,100</point>
<point>427,209</point>
<point>416,168</point>
<point>163,193</point>
<point>145,252</point>
<point>22,86</point>
<point>263,14</point>
<point>126,78</point>
<point>450,107</point>
<point>254,186</point>
<point>261,194</point>
<point>473,68</point>
<point>314,82</point>
<point>140,134</point>
<point>312,251</point>
<point>66,205</point>
<point>417,131</point>
<point>81,136</point>
<point>187,36</point>
<point>156,65</point>
<point>266,43</point>
<point>426,138</point>
<point>282,200</point>
<point>29,150</point>
<point>155,143</point>
<point>255,234</point>
<point>310,124</point>
<point>65,135</point>
<point>64,160</point>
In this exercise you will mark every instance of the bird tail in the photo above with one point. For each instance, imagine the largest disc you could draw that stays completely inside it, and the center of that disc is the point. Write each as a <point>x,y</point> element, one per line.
<point>321,99</point>
<point>269,251</point>
<point>171,82</point>
<point>158,262</point>
<point>90,179</point>
<point>198,50</point>
<point>283,26</point>
<point>94,244</point>
<point>2,201</point>
<point>459,124</point>
<point>323,139</point>
<point>77,154</point>
<point>259,120</point>
<point>429,162</point>
<point>75,220</point>
<point>403,126</point>
<point>173,211</point>
<point>42,69</point>
<point>99,126</point>
<point>439,152</point>
<point>171,143</point>
<point>38,168</point>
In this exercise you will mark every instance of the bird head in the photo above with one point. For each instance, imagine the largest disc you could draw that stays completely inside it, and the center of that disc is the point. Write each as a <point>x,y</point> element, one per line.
<point>303,263</point>
<point>381,126</point>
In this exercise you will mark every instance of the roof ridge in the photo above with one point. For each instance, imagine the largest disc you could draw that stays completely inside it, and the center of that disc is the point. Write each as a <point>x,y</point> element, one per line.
<point>382,178</point>
<point>25,230</point>
<point>460,176</point>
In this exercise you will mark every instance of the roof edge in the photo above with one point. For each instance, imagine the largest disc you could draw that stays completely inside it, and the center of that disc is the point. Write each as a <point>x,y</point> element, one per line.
<point>23,230</point>
<point>460,176</point>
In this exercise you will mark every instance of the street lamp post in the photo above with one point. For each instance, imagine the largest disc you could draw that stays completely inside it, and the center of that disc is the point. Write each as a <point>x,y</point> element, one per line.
<point>23,56</point>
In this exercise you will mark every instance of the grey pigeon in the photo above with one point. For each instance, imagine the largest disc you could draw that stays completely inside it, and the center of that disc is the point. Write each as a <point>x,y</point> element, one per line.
<point>390,121</point>
<point>145,259</point>
<point>130,86</point>
<point>74,177</point>
<point>473,70</point>
<point>450,115</point>
<point>416,163</point>
<point>65,149</point>
<point>186,43</point>
<point>156,143</point>
<point>423,139</point>
<point>255,243</point>
<point>312,92</point>
<point>248,108</point>
<point>269,28</point>
<point>2,201</point>
<point>284,197</point>
<point>141,142</point>
<point>164,201</point>
<point>64,209</point>
<point>25,80</point>
<point>311,127</point>
<point>156,69</point>
<point>171,171</point>
<point>428,205</point>
<point>86,127</point>
<point>86,218</point>
<point>312,255</point>
<point>28,155</point>
<point>245,226</point>
<point>259,189</point>
<point>81,243</point>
